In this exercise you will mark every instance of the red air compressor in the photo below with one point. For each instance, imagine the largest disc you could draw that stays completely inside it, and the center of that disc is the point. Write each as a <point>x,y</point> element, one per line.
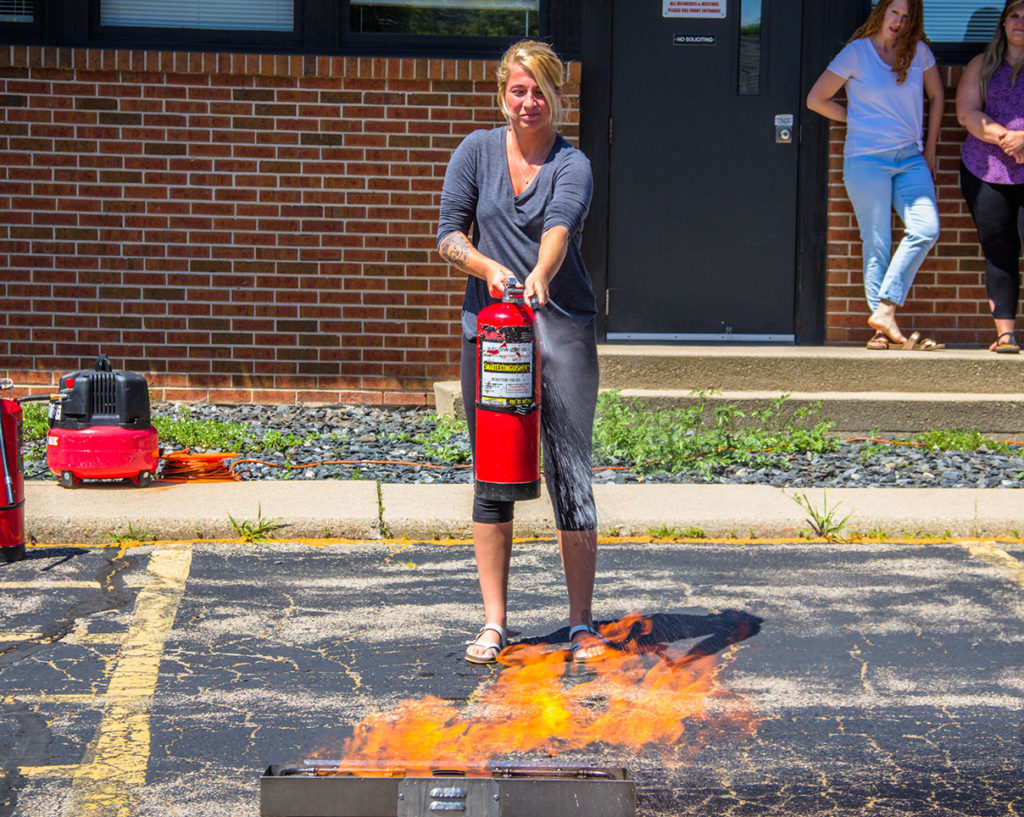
<point>507,457</point>
<point>100,427</point>
<point>12,469</point>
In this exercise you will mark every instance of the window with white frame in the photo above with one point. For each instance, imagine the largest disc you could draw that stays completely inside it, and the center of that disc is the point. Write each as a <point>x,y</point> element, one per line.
<point>16,11</point>
<point>449,28</point>
<point>472,18</point>
<point>235,15</point>
<point>961,21</point>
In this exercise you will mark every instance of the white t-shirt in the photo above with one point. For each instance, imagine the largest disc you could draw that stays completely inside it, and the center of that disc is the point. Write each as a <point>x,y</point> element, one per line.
<point>881,115</point>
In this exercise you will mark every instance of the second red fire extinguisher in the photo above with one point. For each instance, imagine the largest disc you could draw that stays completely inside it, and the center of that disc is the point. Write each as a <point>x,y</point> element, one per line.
<point>508,403</point>
<point>12,474</point>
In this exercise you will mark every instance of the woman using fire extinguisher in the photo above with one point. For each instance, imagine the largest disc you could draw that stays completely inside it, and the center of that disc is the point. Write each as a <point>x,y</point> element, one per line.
<point>523,192</point>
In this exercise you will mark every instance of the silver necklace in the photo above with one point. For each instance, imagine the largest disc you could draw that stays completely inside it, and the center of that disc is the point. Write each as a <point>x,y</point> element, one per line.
<point>521,161</point>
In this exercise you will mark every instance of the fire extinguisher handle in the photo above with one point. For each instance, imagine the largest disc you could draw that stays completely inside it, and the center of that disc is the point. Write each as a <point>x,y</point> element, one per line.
<point>514,289</point>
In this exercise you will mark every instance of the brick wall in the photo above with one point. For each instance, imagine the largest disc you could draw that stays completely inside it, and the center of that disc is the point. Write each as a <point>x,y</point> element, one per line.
<point>260,227</point>
<point>948,300</point>
<point>234,227</point>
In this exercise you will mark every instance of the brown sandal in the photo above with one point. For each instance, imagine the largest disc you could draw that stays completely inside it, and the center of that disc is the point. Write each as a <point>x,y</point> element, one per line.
<point>879,341</point>
<point>915,343</point>
<point>1007,347</point>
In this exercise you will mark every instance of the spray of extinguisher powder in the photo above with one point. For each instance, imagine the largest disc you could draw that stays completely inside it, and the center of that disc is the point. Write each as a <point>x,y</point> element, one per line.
<point>508,403</point>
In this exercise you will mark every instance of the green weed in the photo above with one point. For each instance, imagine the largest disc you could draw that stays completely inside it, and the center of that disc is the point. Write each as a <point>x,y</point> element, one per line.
<point>669,532</point>
<point>701,437</point>
<point>255,532</point>
<point>207,435</point>
<point>823,523</point>
<point>441,443</point>
<point>132,534</point>
<point>959,439</point>
<point>942,439</point>
<point>278,442</point>
<point>35,422</point>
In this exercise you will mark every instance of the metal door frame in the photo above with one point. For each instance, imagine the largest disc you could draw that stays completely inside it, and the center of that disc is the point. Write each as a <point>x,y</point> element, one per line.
<point>825,27</point>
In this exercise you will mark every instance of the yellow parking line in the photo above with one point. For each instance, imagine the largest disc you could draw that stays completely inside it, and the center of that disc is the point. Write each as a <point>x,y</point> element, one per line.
<point>47,771</point>
<point>96,638</point>
<point>997,557</point>
<point>45,585</point>
<point>71,638</point>
<point>55,697</point>
<point>113,770</point>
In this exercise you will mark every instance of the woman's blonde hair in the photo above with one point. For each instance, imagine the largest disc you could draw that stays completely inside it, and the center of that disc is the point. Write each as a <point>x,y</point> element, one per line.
<point>910,36</point>
<point>995,52</point>
<point>544,66</point>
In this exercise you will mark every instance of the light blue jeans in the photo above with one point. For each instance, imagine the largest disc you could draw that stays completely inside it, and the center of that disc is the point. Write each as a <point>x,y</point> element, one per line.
<point>878,183</point>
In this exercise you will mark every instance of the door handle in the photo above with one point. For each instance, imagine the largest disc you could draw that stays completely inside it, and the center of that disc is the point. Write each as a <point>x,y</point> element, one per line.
<point>784,128</point>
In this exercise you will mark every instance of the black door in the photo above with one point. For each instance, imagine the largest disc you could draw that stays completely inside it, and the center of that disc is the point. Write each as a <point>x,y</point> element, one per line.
<point>703,170</point>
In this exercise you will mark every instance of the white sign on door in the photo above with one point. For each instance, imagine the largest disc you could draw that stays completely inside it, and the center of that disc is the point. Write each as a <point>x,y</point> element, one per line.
<point>693,8</point>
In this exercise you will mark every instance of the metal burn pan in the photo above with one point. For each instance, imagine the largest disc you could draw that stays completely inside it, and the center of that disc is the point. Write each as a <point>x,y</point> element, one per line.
<point>316,789</point>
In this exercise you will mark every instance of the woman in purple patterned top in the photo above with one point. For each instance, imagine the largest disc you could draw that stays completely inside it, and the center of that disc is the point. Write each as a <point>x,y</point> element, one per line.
<point>990,104</point>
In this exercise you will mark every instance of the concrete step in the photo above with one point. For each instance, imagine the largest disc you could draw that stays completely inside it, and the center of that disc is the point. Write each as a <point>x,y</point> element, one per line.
<point>860,391</point>
<point>809,369</point>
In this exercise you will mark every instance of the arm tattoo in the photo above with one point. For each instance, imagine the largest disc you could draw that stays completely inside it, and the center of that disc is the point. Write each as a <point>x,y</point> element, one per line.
<point>455,249</point>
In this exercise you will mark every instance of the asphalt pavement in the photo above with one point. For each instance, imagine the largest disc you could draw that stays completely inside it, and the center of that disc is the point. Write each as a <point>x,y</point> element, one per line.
<point>867,679</point>
<point>862,677</point>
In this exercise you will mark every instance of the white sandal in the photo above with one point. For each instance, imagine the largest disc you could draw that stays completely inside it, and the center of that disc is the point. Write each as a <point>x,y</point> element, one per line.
<point>490,650</point>
<point>576,647</point>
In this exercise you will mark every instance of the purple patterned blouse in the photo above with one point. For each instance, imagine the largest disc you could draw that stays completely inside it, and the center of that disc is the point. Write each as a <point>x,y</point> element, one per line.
<point>1006,106</point>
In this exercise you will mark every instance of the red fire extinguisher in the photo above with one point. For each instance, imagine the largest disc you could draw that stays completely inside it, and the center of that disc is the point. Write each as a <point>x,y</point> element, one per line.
<point>507,457</point>
<point>12,473</point>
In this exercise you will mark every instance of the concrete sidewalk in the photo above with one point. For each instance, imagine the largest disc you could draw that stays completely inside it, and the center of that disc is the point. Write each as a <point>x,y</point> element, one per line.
<point>363,510</point>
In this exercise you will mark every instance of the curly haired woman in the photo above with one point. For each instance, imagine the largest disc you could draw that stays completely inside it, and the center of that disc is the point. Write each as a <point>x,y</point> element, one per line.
<point>887,68</point>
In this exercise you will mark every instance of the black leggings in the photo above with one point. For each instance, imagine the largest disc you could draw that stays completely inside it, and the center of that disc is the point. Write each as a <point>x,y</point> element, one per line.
<point>998,212</point>
<point>569,376</point>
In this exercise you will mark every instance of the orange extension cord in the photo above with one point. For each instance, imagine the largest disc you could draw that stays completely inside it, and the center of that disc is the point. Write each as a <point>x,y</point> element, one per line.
<point>184,466</point>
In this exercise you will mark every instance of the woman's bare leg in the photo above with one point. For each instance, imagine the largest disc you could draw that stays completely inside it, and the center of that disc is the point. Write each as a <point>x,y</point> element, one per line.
<point>492,543</point>
<point>579,561</point>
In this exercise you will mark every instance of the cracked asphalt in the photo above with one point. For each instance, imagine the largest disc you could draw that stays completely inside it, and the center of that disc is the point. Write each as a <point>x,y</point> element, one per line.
<point>162,679</point>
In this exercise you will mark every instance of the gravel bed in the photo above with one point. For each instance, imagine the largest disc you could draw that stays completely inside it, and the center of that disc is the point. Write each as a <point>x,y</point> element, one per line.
<point>393,445</point>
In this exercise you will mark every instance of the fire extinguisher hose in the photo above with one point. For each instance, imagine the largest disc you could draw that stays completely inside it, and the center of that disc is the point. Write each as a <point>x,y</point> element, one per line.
<point>6,383</point>
<point>8,479</point>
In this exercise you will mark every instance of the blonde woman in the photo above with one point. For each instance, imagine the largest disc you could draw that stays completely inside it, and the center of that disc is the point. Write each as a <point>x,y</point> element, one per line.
<point>523,192</point>
<point>990,104</point>
<point>887,70</point>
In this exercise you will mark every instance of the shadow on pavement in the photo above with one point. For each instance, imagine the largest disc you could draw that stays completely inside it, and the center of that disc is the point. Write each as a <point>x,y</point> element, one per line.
<point>719,630</point>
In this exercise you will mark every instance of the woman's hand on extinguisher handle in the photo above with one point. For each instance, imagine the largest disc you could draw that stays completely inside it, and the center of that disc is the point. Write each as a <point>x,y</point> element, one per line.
<point>535,289</point>
<point>497,277</point>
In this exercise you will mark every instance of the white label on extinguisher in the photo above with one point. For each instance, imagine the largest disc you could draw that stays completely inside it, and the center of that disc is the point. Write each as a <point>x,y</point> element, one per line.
<point>506,373</point>
<point>51,440</point>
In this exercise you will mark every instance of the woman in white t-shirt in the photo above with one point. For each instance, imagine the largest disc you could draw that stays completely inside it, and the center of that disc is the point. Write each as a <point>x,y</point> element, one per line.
<point>887,70</point>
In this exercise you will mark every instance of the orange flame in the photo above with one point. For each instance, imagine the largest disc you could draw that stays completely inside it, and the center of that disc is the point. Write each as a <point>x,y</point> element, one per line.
<point>642,696</point>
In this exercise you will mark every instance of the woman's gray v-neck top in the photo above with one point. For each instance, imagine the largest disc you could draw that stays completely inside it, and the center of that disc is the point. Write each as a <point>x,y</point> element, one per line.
<point>478,195</point>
